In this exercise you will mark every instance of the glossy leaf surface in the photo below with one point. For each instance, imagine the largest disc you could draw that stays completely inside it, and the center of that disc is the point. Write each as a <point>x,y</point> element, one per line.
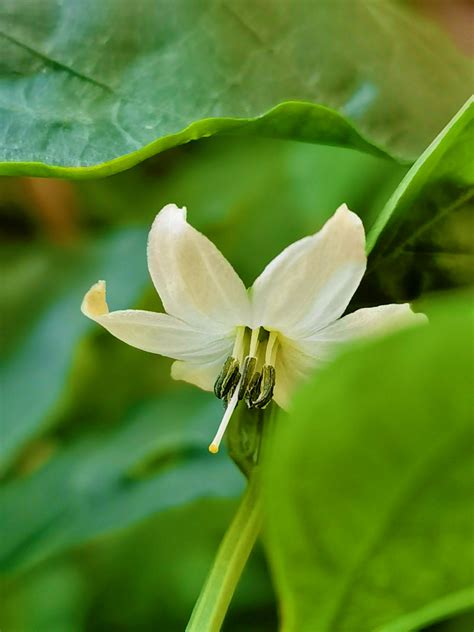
<point>90,89</point>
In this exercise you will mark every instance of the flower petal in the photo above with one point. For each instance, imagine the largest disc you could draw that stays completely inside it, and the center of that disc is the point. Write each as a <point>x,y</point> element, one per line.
<point>194,280</point>
<point>201,375</point>
<point>310,284</point>
<point>156,333</point>
<point>367,322</point>
<point>296,360</point>
<point>293,367</point>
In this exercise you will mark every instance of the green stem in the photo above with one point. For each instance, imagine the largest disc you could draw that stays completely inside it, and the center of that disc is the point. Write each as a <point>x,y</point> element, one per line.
<point>211,606</point>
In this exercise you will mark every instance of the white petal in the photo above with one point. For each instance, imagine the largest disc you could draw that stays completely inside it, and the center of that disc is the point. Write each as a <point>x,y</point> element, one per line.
<point>310,284</point>
<point>297,360</point>
<point>367,322</point>
<point>201,375</point>
<point>194,280</point>
<point>293,367</point>
<point>156,333</point>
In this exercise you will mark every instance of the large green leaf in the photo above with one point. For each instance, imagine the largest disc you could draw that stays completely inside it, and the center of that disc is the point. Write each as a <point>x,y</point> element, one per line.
<point>423,238</point>
<point>93,88</point>
<point>107,482</point>
<point>368,487</point>
<point>34,374</point>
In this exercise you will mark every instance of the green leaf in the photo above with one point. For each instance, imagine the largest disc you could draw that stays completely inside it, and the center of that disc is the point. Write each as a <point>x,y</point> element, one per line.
<point>110,481</point>
<point>422,239</point>
<point>91,91</point>
<point>464,621</point>
<point>33,376</point>
<point>53,599</point>
<point>368,485</point>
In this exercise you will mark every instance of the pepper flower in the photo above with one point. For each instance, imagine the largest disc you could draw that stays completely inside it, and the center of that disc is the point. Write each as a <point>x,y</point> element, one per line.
<point>249,345</point>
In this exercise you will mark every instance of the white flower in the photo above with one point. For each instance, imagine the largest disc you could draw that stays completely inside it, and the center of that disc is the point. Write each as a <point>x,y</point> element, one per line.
<point>254,345</point>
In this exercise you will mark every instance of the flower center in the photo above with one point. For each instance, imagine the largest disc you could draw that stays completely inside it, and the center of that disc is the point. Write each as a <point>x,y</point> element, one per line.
<point>249,377</point>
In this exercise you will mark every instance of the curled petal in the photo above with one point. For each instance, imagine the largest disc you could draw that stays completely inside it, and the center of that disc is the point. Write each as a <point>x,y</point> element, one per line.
<point>310,284</point>
<point>194,280</point>
<point>156,333</point>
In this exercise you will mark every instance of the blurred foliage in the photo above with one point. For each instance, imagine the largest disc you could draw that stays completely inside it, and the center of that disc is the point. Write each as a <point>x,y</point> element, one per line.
<point>134,466</point>
<point>79,395</point>
<point>147,578</point>
<point>252,198</point>
<point>43,359</point>
<point>422,240</point>
<point>111,509</point>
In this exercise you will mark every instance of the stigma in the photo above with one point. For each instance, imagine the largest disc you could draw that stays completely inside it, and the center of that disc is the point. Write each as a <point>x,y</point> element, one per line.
<point>247,375</point>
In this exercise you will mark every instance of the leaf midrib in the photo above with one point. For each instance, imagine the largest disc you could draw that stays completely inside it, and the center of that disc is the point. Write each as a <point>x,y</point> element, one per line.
<point>55,63</point>
<point>58,64</point>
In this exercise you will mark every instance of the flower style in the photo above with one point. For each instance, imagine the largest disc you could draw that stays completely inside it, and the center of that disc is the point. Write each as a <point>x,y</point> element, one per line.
<point>251,345</point>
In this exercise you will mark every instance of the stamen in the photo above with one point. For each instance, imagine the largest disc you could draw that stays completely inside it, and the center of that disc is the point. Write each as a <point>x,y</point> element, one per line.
<point>254,340</point>
<point>256,387</point>
<point>270,352</point>
<point>248,370</point>
<point>214,446</point>
<point>218,385</point>
<point>234,382</point>
<point>238,344</point>
<point>229,375</point>
<point>266,387</point>
<point>253,390</point>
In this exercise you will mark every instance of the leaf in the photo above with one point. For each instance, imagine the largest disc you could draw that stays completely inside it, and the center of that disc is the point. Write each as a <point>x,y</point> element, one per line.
<point>34,375</point>
<point>53,599</point>
<point>100,483</point>
<point>368,485</point>
<point>94,91</point>
<point>463,621</point>
<point>422,239</point>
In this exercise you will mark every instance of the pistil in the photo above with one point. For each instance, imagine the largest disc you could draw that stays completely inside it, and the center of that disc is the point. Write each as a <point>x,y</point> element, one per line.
<point>228,384</point>
<point>214,446</point>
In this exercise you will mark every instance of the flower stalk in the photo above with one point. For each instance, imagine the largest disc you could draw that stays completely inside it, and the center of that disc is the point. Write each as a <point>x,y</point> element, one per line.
<point>211,607</point>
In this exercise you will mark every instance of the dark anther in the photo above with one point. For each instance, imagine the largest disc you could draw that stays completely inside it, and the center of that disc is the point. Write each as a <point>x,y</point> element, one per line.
<point>248,370</point>
<point>222,375</point>
<point>234,380</point>
<point>226,377</point>
<point>253,390</point>
<point>266,387</point>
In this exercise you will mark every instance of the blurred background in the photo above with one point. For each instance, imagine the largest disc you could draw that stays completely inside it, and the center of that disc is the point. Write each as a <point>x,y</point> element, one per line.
<point>113,509</point>
<point>102,438</point>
